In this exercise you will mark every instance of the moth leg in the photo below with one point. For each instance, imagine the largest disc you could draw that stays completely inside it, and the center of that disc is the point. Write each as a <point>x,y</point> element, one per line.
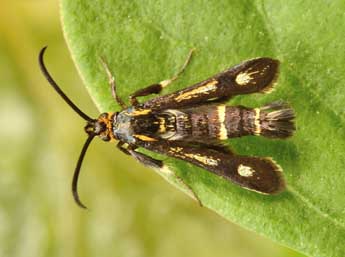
<point>219,100</point>
<point>188,187</point>
<point>145,159</point>
<point>159,165</point>
<point>122,149</point>
<point>167,82</point>
<point>157,88</point>
<point>112,83</point>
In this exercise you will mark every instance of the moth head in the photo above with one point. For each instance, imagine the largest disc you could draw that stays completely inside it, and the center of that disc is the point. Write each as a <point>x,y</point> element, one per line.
<point>102,127</point>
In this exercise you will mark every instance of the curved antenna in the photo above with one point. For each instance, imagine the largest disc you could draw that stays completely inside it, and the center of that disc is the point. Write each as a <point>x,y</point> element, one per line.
<point>77,172</point>
<point>57,88</point>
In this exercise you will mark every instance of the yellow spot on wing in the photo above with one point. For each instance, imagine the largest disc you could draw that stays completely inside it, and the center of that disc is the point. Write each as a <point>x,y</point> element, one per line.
<point>205,89</point>
<point>245,171</point>
<point>203,159</point>
<point>244,78</point>
<point>145,138</point>
<point>175,149</point>
<point>223,133</point>
<point>140,112</point>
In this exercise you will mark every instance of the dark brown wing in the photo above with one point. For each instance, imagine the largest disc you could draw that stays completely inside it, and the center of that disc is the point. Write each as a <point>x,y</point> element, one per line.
<point>252,76</point>
<point>254,173</point>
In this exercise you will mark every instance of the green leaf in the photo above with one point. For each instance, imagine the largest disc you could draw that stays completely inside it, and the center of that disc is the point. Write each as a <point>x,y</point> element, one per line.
<point>147,41</point>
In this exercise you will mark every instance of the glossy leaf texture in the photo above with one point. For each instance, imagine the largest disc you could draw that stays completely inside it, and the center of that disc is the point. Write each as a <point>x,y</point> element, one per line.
<point>145,42</point>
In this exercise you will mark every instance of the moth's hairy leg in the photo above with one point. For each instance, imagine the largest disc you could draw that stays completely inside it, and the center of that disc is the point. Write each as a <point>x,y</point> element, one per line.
<point>112,83</point>
<point>161,167</point>
<point>157,88</point>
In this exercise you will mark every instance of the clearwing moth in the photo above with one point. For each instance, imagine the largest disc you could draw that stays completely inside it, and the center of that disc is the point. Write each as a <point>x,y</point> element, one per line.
<point>190,124</point>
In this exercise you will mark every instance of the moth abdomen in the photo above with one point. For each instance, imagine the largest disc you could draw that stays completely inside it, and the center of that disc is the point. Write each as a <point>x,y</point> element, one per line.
<point>276,121</point>
<point>220,122</point>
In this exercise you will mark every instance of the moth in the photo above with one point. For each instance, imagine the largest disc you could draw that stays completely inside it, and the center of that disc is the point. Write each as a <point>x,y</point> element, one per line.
<point>190,124</point>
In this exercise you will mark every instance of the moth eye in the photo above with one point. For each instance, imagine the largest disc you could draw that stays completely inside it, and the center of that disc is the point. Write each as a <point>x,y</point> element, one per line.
<point>99,127</point>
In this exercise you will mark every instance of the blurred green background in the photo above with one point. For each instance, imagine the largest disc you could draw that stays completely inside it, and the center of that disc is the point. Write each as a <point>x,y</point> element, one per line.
<point>133,211</point>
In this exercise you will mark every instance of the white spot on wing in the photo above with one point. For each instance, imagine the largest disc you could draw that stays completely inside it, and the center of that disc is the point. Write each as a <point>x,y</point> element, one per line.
<point>245,171</point>
<point>244,78</point>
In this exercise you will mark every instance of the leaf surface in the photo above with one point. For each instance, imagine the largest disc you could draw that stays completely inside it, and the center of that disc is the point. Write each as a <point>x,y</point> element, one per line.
<point>145,42</point>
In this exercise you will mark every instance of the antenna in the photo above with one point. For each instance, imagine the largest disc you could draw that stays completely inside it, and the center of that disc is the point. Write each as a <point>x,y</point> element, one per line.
<point>81,114</point>
<point>57,88</point>
<point>77,171</point>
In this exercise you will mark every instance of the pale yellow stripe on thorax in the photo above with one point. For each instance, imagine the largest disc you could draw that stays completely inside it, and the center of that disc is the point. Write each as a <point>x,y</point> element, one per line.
<point>223,133</point>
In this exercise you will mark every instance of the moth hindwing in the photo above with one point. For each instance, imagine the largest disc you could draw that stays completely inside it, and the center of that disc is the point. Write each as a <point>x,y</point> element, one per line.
<point>190,124</point>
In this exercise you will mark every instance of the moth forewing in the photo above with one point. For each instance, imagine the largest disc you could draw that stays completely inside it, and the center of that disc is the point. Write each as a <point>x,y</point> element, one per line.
<point>252,76</point>
<point>262,175</point>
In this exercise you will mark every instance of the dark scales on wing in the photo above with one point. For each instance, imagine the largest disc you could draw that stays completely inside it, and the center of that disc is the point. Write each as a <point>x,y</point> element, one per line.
<point>255,173</point>
<point>253,76</point>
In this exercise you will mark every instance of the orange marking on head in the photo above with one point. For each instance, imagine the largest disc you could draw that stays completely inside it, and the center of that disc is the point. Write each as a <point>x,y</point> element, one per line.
<point>107,120</point>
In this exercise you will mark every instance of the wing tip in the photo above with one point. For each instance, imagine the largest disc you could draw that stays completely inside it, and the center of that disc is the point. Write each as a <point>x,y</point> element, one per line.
<point>277,169</point>
<point>262,175</point>
<point>257,75</point>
